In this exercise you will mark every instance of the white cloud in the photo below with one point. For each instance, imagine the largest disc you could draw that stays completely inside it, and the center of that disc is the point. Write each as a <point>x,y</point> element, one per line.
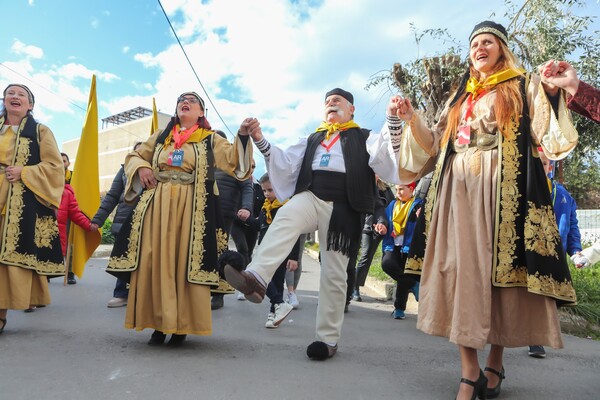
<point>21,48</point>
<point>95,22</point>
<point>125,49</point>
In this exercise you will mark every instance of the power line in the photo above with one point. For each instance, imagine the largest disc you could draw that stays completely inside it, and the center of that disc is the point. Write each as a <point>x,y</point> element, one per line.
<point>192,67</point>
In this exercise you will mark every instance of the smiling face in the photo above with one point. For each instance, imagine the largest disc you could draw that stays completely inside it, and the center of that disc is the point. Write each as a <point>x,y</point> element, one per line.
<point>338,109</point>
<point>485,53</point>
<point>189,109</point>
<point>17,102</point>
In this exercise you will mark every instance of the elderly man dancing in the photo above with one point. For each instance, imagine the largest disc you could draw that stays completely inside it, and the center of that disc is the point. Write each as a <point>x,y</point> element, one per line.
<point>330,177</point>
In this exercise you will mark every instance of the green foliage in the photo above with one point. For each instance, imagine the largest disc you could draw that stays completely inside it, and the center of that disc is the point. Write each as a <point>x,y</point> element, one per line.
<point>107,236</point>
<point>587,286</point>
<point>549,29</point>
<point>375,271</point>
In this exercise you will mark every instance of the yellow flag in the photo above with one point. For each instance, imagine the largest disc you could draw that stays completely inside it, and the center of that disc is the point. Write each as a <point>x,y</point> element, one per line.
<point>86,184</point>
<point>154,126</point>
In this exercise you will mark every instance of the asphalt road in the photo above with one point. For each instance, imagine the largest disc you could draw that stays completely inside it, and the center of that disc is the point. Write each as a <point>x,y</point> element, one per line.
<point>77,348</point>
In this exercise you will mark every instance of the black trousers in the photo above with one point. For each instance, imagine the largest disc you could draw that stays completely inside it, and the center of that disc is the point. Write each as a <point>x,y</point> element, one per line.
<point>392,264</point>
<point>368,246</point>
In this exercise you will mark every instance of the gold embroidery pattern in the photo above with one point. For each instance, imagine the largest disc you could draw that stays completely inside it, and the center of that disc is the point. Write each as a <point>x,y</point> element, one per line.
<point>432,192</point>
<point>224,288</point>
<point>415,265</point>
<point>507,236</point>
<point>547,286</point>
<point>45,231</point>
<point>196,245</point>
<point>128,262</point>
<point>541,232</point>
<point>222,241</point>
<point>14,215</point>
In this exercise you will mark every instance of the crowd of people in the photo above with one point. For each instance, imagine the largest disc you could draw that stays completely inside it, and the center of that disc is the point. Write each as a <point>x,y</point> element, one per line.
<point>490,236</point>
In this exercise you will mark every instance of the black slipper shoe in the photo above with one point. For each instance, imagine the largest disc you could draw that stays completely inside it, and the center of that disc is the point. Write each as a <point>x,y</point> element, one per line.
<point>320,351</point>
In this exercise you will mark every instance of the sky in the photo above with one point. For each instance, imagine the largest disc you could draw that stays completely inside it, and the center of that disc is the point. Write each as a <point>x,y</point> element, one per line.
<point>269,59</point>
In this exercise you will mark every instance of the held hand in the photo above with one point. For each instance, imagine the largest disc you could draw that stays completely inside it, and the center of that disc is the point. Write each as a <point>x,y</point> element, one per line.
<point>380,228</point>
<point>147,178</point>
<point>560,74</point>
<point>405,110</point>
<point>93,227</point>
<point>13,173</point>
<point>243,214</point>
<point>291,265</point>
<point>251,127</point>
<point>393,105</point>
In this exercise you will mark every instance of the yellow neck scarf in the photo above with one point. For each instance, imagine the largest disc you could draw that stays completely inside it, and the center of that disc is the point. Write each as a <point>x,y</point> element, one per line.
<point>475,87</point>
<point>196,137</point>
<point>400,215</point>
<point>268,206</point>
<point>335,127</point>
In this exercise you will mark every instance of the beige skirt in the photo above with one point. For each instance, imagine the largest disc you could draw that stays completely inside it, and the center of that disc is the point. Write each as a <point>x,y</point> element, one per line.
<point>20,288</point>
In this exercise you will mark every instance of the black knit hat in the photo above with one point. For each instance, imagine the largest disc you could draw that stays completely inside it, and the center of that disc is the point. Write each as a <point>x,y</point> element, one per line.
<point>490,27</point>
<point>347,95</point>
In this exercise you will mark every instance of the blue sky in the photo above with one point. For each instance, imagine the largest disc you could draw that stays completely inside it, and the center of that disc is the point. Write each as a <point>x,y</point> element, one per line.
<point>271,59</point>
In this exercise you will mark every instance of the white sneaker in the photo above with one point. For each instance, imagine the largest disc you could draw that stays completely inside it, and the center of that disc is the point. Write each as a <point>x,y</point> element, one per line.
<point>282,310</point>
<point>116,302</point>
<point>270,321</point>
<point>293,300</point>
<point>240,296</point>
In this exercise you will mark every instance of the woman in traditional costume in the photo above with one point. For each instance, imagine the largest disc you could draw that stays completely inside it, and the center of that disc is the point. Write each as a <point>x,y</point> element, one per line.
<point>31,186</point>
<point>172,241</point>
<point>493,269</point>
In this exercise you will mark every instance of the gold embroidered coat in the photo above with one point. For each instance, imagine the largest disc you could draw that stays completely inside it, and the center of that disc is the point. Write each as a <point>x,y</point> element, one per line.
<point>470,215</point>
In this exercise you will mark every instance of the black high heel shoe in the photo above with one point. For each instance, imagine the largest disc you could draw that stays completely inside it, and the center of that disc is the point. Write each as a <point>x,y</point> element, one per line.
<point>479,387</point>
<point>494,392</point>
<point>3,320</point>
<point>157,338</point>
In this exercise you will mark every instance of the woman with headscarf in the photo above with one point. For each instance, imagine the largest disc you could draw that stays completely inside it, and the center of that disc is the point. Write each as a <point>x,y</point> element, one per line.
<point>493,269</point>
<point>171,242</point>
<point>31,186</point>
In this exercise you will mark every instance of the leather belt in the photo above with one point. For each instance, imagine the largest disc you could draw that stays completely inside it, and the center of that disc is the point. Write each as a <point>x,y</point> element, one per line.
<point>175,177</point>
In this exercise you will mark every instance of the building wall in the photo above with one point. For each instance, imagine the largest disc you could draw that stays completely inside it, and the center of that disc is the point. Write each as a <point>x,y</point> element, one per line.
<point>113,145</point>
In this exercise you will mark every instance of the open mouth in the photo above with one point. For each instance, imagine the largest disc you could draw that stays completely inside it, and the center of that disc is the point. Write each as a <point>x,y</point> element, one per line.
<point>185,108</point>
<point>482,57</point>
<point>15,103</point>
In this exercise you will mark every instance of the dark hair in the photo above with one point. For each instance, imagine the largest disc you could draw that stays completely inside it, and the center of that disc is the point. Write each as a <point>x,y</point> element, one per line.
<point>264,178</point>
<point>65,155</point>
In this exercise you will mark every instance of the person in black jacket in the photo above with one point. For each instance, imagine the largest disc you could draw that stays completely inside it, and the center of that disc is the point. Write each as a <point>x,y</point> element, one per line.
<point>236,201</point>
<point>112,199</point>
<point>370,240</point>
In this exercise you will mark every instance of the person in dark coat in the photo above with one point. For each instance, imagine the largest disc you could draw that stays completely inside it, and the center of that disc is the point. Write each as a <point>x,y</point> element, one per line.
<point>114,198</point>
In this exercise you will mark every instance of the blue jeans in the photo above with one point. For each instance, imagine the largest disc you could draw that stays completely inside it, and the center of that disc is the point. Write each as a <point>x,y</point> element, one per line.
<point>121,291</point>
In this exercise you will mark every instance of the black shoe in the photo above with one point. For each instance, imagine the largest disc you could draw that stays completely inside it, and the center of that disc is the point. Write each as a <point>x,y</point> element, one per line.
<point>479,387</point>
<point>71,279</point>
<point>320,351</point>
<point>30,309</point>
<point>216,301</point>
<point>157,338</point>
<point>537,351</point>
<point>494,392</point>
<point>3,320</point>
<point>356,295</point>
<point>176,340</point>
<point>346,308</point>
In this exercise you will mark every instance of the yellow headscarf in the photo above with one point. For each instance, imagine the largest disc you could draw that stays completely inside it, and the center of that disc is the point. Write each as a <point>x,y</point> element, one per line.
<point>475,87</point>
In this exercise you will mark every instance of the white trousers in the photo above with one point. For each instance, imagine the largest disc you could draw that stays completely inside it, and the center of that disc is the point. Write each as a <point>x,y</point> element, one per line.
<point>306,213</point>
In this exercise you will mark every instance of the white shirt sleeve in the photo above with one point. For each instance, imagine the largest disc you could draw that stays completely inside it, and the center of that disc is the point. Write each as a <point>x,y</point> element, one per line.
<point>283,167</point>
<point>383,158</point>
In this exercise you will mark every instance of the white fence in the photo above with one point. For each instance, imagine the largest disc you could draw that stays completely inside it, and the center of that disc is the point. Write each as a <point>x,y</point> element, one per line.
<point>589,226</point>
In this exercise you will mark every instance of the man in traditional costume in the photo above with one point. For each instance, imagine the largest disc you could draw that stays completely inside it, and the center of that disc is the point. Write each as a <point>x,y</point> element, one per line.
<point>330,178</point>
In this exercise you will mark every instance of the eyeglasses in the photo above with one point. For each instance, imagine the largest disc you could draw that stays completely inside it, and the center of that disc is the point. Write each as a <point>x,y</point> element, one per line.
<point>191,100</point>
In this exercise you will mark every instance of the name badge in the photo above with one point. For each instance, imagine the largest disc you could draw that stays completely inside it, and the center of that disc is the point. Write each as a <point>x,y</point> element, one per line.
<point>175,158</point>
<point>325,160</point>
<point>464,134</point>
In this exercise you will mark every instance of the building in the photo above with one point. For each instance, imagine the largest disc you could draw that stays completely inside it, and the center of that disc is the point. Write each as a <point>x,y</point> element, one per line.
<point>116,138</point>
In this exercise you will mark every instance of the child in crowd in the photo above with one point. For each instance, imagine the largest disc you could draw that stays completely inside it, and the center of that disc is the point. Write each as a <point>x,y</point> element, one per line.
<point>402,214</point>
<point>279,309</point>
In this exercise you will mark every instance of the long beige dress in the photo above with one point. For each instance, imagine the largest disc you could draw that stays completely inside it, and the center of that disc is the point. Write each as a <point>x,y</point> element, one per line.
<point>163,294</point>
<point>21,287</point>
<point>457,297</point>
